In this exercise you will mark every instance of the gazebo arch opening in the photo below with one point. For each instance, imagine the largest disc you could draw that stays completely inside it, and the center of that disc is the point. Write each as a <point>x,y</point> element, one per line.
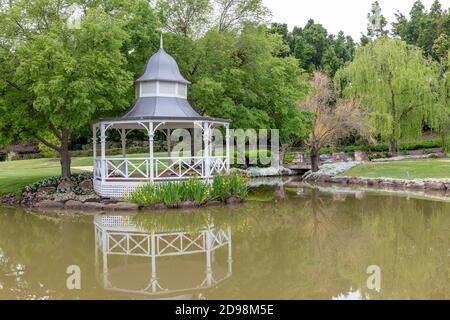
<point>161,105</point>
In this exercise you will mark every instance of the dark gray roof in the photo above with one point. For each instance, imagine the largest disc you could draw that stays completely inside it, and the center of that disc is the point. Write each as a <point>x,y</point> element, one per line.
<point>161,66</point>
<point>161,107</point>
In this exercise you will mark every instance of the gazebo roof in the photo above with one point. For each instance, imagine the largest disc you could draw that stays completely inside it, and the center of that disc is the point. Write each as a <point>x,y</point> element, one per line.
<point>165,108</point>
<point>162,67</point>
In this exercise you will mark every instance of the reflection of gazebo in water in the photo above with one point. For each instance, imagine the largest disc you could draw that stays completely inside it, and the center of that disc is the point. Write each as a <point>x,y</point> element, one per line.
<point>161,104</point>
<point>159,263</point>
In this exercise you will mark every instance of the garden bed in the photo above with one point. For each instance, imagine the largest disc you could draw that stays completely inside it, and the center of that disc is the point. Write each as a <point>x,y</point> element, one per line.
<point>77,193</point>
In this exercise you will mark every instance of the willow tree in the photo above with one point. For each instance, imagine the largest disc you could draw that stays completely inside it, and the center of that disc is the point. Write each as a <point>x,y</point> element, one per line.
<point>444,102</point>
<point>397,84</point>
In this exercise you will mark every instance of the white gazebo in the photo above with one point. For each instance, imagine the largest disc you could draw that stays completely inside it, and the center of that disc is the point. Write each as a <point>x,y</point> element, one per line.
<point>161,104</point>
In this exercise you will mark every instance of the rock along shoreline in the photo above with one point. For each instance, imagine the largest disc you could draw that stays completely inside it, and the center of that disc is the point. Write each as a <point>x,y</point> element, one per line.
<point>330,174</point>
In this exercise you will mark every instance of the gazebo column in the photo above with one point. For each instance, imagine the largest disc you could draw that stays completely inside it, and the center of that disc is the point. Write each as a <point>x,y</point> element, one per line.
<point>227,146</point>
<point>151,135</point>
<point>103,151</point>
<point>169,147</point>
<point>94,148</point>
<point>206,147</point>
<point>123,138</point>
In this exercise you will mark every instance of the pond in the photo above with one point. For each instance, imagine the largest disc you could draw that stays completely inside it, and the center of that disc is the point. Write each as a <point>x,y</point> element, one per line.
<point>287,242</point>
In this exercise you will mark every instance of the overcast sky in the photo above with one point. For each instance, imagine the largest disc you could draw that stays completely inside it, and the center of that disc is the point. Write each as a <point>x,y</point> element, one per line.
<point>349,16</point>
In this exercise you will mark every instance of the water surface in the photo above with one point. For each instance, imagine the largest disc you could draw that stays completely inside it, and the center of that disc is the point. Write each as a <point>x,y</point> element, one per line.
<point>287,242</point>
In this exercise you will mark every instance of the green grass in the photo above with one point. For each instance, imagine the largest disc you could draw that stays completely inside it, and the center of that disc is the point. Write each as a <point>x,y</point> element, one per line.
<point>14,175</point>
<point>417,169</point>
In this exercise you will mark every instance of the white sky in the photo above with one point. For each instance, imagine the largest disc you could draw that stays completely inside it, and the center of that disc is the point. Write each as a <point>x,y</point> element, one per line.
<point>349,16</point>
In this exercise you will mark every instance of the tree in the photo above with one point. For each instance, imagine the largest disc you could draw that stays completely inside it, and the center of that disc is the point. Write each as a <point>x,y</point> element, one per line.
<point>377,22</point>
<point>331,119</point>
<point>56,78</point>
<point>397,84</point>
<point>444,102</point>
<point>241,77</point>
<point>315,49</point>
<point>185,17</point>
<point>235,13</point>
<point>428,30</point>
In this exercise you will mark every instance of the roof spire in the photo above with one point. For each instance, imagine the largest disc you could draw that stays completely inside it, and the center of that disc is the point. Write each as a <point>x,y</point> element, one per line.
<point>161,41</point>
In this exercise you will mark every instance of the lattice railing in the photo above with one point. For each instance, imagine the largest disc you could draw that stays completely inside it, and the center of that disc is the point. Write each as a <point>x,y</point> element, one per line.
<point>218,164</point>
<point>178,167</point>
<point>171,168</point>
<point>130,168</point>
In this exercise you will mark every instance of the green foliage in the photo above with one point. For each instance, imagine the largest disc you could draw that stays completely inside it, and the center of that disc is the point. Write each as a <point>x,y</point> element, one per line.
<point>444,100</point>
<point>429,30</point>
<point>56,76</point>
<point>377,22</point>
<point>227,185</point>
<point>397,84</point>
<point>240,77</point>
<point>173,193</point>
<point>184,17</point>
<point>315,48</point>
<point>402,146</point>
<point>257,155</point>
<point>379,155</point>
<point>54,181</point>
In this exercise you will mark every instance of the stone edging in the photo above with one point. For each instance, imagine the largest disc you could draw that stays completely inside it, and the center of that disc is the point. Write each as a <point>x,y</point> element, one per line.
<point>427,184</point>
<point>122,205</point>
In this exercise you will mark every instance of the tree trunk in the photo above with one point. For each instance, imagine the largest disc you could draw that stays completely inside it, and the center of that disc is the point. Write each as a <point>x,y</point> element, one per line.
<point>314,159</point>
<point>64,154</point>
<point>393,148</point>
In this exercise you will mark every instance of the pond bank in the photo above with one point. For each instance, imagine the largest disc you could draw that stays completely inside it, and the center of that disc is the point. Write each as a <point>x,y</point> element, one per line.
<point>78,193</point>
<point>336,174</point>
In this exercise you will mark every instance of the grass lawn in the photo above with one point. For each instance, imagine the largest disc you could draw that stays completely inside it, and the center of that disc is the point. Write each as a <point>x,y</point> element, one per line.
<point>405,169</point>
<point>14,175</point>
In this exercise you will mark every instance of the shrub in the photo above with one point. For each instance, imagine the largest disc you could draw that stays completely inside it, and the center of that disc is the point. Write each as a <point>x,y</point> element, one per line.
<point>381,155</point>
<point>54,181</point>
<point>251,155</point>
<point>12,156</point>
<point>402,146</point>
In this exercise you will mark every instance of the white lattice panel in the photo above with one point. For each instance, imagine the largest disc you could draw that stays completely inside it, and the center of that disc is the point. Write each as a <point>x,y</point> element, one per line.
<point>115,189</point>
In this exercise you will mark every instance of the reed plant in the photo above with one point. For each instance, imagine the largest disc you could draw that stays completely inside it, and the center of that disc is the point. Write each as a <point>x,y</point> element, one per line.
<point>172,193</point>
<point>228,185</point>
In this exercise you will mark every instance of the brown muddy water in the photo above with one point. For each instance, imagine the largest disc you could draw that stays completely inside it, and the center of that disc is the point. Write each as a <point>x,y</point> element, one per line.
<point>286,242</point>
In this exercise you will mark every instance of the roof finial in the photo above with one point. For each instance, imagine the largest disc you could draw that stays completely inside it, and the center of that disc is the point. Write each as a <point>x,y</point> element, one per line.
<point>161,41</point>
